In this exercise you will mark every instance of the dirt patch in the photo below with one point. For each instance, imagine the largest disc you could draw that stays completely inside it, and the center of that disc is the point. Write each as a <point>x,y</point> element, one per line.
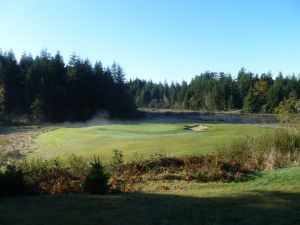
<point>14,141</point>
<point>196,128</point>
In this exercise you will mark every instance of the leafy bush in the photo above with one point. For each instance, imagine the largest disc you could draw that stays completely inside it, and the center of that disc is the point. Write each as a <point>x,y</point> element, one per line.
<point>96,180</point>
<point>77,165</point>
<point>202,168</point>
<point>3,160</point>
<point>55,176</point>
<point>117,160</point>
<point>277,149</point>
<point>12,182</point>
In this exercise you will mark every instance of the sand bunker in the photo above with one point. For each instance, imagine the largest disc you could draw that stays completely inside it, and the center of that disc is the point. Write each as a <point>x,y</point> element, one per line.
<point>196,128</point>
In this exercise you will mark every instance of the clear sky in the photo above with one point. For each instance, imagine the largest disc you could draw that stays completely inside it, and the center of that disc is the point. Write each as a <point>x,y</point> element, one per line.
<point>160,39</point>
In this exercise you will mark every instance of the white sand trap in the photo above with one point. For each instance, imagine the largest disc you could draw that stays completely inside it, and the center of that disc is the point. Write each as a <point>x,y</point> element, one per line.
<point>196,128</point>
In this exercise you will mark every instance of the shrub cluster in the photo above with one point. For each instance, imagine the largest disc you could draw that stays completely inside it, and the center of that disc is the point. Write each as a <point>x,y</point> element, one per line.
<point>201,168</point>
<point>270,151</point>
<point>55,176</point>
<point>12,182</point>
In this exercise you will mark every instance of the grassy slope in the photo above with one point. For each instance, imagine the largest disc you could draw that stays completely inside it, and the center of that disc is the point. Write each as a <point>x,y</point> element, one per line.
<point>273,198</point>
<point>142,138</point>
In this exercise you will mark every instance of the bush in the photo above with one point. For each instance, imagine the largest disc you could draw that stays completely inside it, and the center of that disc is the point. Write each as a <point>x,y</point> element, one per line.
<point>77,166</point>
<point>96,180</point>
<point>280,148</point>
<point>12,182</point>
<point>201,168</point>
<point>117,160</point>
<point>55,176</point>
<point>3,160</point>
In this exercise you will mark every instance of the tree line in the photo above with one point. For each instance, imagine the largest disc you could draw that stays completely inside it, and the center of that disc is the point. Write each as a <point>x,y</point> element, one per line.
<point>47,89</point>
<point>211,91</point>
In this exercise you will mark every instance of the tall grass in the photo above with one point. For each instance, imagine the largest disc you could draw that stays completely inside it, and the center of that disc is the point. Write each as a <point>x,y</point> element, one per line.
<point>277,149</point>
<point>39,176</point>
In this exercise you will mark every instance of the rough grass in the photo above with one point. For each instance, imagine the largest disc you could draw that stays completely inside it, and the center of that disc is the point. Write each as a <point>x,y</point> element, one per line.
<point>144,139</point>
<point>273,198</point>
<point>129,177</point>
<point>235,162</point>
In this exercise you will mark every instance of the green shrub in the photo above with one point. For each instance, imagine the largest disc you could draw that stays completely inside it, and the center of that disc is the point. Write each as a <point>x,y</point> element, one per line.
<point>96,180</point>
<point>273,150</point>
<point>3,161</point>
<point>117,160</point>
<point>201,168</point>
<point>285,141</point>
<point>12,182</point>
<point>76,165</point>
<point>55,176</point>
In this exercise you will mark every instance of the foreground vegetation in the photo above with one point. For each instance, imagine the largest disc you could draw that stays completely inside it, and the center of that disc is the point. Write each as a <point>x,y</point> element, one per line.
<point>272,198</point>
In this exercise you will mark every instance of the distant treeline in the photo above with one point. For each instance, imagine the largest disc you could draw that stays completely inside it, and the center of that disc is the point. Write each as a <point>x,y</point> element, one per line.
<point>218,91</point>
<point>45,88</point>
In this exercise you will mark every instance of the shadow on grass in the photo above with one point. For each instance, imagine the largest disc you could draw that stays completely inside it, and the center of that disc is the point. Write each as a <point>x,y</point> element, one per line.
<point>143,208</point>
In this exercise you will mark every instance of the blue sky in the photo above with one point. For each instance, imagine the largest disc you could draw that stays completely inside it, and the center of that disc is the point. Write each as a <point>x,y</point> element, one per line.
<point>160,39</point>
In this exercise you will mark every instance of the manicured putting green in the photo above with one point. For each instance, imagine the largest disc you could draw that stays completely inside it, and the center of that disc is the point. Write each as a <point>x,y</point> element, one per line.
<point>141,138</point>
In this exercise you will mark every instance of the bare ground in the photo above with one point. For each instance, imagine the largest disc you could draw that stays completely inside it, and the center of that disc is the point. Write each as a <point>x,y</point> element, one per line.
<point>17,140</point>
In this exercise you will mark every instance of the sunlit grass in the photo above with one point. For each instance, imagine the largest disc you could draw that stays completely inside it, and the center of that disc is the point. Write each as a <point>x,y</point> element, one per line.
<point>144,139</point>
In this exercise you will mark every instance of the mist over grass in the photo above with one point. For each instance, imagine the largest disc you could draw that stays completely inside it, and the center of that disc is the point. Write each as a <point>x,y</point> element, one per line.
<point>100,118</point>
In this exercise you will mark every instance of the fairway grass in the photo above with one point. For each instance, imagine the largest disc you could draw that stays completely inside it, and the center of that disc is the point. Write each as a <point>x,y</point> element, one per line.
<point>142,138</point>
<point>272,198</point>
